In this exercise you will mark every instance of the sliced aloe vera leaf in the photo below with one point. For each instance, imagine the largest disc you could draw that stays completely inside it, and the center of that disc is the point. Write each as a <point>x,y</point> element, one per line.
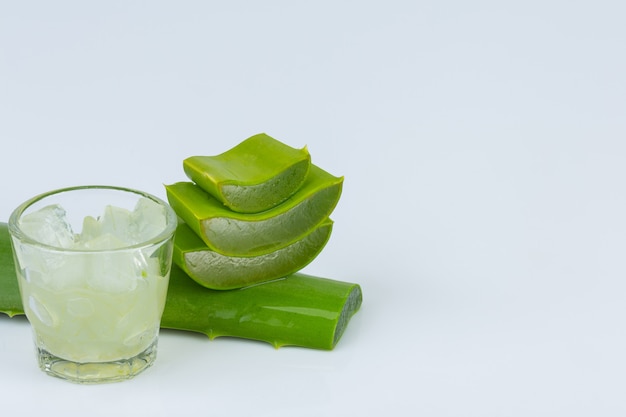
<point>256,175</point>
<point>298,310</point>
<point>10,301</point>
<point>214,270</point>
<point>252,234</point>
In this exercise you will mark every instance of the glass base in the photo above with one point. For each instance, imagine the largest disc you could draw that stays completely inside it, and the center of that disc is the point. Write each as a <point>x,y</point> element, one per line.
<point>97,372</point>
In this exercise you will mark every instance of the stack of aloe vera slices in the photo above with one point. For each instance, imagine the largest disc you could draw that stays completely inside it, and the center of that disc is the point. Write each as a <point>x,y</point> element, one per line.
<point>257,212</point>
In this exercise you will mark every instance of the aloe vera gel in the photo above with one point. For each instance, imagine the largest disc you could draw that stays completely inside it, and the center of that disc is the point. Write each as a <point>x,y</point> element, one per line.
<point>94,297</point>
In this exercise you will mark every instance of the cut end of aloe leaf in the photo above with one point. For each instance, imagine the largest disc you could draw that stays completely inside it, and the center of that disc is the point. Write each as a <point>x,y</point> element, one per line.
<point>256,175</point>
<point>351,306</point>
<point>345,299</point>
<point>216,271</point>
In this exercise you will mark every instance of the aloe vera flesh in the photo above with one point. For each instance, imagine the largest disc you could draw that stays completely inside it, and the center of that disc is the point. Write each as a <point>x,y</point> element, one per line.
<point>299,310</point>
<point>256,175</point>
<point>251,234</point>
<point>214,270</point>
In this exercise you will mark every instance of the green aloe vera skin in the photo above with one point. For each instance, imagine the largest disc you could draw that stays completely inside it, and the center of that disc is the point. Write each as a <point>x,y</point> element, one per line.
<point>221,272</point>
<point>10,301</point>
<point>299,310</point>
<point>256,175</point>
<point>253,234</point>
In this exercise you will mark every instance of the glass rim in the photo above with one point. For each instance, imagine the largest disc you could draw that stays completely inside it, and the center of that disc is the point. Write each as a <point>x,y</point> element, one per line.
<point>166,233</point>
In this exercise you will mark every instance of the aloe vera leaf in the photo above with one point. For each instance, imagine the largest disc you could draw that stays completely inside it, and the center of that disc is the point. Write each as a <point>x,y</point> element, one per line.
<point>298,310</point>
<point>252,234</point>
<point>214,270</point>
<point>10,301</point>
<point>256,175</point>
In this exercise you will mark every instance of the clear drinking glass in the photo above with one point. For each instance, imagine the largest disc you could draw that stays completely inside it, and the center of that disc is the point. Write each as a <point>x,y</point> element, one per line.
<point>93,265</point>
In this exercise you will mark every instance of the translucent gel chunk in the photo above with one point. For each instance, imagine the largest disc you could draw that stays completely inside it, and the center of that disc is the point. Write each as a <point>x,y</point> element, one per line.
<point>48,226</point>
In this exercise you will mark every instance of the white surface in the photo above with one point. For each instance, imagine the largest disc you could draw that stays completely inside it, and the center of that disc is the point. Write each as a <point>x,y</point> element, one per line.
<point>483,213</point>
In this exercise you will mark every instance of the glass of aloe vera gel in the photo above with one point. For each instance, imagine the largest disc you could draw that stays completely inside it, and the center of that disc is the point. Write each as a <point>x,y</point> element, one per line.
<point>93,266</point>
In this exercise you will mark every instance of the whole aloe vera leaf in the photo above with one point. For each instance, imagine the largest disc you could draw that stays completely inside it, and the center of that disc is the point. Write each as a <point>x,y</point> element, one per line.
<point>214,270</point>
<point>298,310</point>
<point>252,234</point>
<point>256,175</point>
<point>10,301</point>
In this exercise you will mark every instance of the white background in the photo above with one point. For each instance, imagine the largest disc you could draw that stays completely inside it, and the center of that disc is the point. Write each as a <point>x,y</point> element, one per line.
<point>483,213</point>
